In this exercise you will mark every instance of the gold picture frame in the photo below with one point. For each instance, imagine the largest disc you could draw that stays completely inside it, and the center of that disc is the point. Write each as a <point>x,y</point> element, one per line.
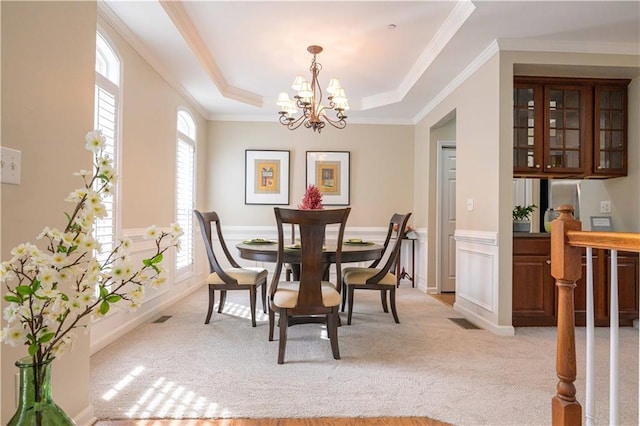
<point>330,172</point>
<point>266,177</point>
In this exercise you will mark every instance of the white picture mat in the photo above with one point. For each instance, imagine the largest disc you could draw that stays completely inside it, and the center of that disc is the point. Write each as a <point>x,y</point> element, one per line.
<point>251,197</point>
<point>326,156</point>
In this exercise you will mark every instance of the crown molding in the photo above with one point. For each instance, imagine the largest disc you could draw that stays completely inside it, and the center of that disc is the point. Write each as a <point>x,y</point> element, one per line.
<point>175,11</point>
<point>595,47</point>
<point>121,28</point>
<point>480,60</point>
<point>445,33</point>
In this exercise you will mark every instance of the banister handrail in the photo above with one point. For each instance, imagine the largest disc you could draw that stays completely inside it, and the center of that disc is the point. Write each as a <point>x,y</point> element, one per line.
<point>567,241</point>
<point>604,240</point>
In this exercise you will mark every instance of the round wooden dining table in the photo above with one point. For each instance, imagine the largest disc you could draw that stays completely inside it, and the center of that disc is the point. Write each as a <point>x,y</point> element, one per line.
<point>269,253</point>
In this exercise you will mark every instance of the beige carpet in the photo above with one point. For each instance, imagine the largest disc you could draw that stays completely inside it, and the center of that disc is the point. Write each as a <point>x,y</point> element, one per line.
<point>426,366</point>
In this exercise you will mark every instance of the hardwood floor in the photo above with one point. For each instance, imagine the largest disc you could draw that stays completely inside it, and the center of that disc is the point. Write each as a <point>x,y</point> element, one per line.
<point>446,298</point>
<point>324,421</point>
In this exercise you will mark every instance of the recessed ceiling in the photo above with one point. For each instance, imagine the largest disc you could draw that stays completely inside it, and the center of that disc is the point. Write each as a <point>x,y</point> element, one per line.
<point>232,58</point>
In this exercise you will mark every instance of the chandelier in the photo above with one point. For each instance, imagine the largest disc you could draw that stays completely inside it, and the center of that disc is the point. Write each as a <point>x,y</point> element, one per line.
<point>309,100</point>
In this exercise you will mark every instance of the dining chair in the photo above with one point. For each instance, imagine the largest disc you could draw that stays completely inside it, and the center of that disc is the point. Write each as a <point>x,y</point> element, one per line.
<point>234,278</point>
<point>311,299</point>
<point>378,278</point>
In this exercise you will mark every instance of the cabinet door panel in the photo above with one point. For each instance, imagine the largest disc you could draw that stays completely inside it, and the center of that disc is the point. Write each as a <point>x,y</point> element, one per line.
<point>533,291</point>
<point>610,130</point>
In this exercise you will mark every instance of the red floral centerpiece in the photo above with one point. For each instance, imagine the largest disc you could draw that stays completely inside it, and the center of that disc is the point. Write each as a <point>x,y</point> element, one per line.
<point>312,199</point>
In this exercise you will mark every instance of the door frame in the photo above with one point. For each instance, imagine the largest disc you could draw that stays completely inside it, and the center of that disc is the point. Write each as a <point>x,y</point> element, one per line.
<point>441,146</point>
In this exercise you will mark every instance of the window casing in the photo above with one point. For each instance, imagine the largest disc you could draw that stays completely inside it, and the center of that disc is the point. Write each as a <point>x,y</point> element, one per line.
<point>185,188</point>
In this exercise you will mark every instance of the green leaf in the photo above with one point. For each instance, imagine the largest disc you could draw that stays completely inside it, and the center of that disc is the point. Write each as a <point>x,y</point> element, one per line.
<point>104,307</point>
<point>13,299</point>
<point>103,292</point>
<point>24,290</point>
<point>33,349</point>
<point>72,249</point>
<point>156,268</point>
<point>64,297</point>
<point>157,258</point>
<point>35,285</point>
<point>114,298</point>
<point>46,337</point>
<point>61,248</point>
<point>146,262</point>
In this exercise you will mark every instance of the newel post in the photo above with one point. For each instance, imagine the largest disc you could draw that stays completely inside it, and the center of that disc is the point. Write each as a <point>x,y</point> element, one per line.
<point>566,268</point>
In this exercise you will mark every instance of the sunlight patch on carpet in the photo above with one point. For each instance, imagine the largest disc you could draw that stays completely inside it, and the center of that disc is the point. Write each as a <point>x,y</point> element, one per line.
<point>166,399</point>
<point>242,311</point>
<point>122,383</point>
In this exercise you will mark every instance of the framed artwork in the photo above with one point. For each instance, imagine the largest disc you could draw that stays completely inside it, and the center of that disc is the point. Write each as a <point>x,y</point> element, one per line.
<point>329,171</point>
<point>266,177</point>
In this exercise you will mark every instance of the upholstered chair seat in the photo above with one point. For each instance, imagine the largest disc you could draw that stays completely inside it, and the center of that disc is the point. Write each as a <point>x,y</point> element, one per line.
<point>359,276</point>
<point>286,296</point>
<point>249,275</point>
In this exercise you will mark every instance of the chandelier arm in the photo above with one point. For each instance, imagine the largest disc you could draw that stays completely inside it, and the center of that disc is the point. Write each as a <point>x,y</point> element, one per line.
<point>314,114</point>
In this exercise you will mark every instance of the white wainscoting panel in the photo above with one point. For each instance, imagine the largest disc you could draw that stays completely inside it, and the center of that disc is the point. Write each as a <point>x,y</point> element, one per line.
<point>477,279</point>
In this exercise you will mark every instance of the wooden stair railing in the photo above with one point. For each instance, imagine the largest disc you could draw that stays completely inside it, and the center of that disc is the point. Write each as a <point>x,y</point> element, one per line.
<point>567,239</point>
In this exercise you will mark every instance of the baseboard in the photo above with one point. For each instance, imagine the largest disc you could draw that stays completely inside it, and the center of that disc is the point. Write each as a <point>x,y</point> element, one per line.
<point>85,417</point>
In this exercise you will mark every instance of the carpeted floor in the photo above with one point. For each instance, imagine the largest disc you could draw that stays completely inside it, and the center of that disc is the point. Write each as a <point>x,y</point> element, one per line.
<point>427,366</point>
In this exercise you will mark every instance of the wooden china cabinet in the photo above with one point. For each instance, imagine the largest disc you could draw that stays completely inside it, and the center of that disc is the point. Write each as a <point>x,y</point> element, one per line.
<point>569,127</point>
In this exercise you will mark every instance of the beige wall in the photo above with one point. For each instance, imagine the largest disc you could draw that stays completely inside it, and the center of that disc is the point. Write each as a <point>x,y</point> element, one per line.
<point>381,168</point>
<point>473,106</point>
<point>48,60</point>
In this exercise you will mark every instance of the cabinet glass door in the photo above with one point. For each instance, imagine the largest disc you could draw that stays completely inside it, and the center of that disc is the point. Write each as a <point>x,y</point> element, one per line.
<point>527,130</point>
<point>610,130</point>
<point>565,129</point>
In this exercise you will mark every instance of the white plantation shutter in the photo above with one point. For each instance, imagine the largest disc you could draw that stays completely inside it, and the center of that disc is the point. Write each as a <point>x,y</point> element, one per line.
<point>106,119</point>
<point>185,187</point>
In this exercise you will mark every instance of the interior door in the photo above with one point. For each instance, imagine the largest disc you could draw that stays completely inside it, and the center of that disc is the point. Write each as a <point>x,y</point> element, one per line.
<point>447,225</point>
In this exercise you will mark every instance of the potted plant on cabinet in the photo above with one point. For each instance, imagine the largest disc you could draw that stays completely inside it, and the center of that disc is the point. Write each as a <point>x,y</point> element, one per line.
<point>521,218</point>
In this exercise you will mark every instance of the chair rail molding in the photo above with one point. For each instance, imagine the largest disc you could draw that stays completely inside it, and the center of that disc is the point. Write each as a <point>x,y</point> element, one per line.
<point>477,279</point>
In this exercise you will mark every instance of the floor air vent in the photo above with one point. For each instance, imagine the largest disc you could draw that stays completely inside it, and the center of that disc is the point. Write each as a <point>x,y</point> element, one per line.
<point>464,323</point>
<point>163,318</point>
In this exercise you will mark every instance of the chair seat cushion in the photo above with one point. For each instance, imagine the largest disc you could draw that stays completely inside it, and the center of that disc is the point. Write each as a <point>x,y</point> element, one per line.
<point>244,276</point>
<point>359,276</point>
<point>286,296</point>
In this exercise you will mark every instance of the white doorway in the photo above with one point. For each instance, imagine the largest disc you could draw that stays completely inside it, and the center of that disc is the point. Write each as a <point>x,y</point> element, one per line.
<point>446,217</point>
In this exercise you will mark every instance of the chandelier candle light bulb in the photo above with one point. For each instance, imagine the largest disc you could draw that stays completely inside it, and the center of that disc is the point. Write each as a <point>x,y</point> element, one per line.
<point>309,100</point>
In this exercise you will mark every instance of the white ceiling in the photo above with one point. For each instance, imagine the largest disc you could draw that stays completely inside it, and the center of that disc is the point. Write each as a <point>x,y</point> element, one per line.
<point>232,58</point>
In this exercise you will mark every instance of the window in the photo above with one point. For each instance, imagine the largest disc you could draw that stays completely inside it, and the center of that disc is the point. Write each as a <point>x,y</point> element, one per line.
<point>106,119</point>
<point>185,186</point>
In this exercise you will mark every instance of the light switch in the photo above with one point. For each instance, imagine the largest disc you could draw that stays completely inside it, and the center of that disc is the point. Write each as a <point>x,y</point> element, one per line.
<point>470,204</point>
<point>10,165</point>
<point>605,206</point>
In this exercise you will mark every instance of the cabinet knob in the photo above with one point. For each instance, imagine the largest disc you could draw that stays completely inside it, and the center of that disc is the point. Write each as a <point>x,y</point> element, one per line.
<point>548,166</point>
<point>599,167</point>
<point>548,262</point>
<point>537,166</point>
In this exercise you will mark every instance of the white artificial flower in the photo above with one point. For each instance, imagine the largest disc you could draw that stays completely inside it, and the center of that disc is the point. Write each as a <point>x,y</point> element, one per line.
<point>6,272</point>
<point>157,282</point>
<point>10,312</point>
<point>13,335</point>
<point>151,233</point>
<point>137,294</point>
<point>77,195</point>
<point>82,173</point>
<point>48,276</point>
<point>95,141</point>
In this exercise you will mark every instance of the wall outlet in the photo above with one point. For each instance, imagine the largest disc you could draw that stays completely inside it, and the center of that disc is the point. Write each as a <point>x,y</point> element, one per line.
<point>605,206</point>
<point>10,165</point>
<point>470,204</point>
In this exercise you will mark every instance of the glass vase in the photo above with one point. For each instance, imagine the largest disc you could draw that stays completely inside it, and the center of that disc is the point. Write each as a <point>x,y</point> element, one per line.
<point>36,406</point>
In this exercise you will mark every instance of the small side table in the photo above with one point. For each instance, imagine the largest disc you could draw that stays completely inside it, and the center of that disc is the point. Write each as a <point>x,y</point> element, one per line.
<point>403,273</point>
